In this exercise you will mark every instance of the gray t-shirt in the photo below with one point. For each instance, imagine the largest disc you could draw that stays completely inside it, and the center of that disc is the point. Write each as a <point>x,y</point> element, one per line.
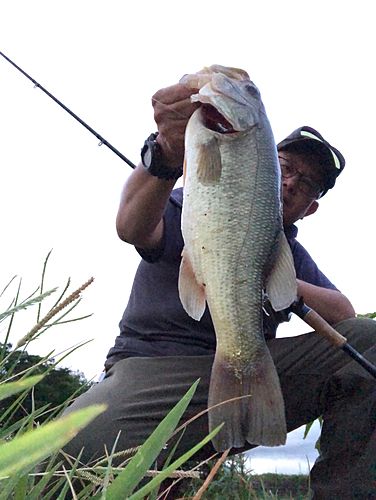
<point>154,322</point>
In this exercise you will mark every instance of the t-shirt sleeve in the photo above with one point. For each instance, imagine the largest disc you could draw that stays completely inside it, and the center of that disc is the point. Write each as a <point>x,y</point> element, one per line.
<point>306,268</point>
<point>172,241</point>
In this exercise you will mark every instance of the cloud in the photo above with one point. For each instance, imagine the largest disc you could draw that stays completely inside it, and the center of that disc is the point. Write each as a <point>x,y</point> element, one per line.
<point>296,457</point>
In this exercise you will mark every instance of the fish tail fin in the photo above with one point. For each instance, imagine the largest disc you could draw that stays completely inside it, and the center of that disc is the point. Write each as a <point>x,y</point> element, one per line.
<point>258,416</point>
<point>266,407</point>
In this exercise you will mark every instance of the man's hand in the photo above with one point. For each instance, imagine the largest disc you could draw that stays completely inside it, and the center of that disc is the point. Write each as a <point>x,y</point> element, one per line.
<point>140,216</point>
<point>172,110</point>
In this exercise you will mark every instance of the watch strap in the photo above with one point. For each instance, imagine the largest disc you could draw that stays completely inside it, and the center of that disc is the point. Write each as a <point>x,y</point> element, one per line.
<point>157,168</point>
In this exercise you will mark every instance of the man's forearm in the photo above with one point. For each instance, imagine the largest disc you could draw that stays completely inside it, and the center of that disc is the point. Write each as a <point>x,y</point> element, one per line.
<point>332,305</point>
<point>143,201</point>
<point>144,197</point>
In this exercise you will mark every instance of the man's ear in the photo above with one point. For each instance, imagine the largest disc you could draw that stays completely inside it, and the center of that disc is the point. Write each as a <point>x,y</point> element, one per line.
<point>312,208</point>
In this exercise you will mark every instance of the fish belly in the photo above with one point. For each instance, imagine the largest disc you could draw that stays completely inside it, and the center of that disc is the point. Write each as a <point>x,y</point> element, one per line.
<point>231,231</point>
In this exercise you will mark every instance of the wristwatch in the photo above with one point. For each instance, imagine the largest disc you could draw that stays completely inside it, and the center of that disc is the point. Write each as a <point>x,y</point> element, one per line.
<point>152,160</point>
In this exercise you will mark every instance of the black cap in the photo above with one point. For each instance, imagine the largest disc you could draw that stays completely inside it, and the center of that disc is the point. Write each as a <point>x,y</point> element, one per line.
<point>307,139</point>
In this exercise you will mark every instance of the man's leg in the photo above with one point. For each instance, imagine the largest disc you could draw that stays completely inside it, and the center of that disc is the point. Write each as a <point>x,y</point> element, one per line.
<point>140,391</point>
<point>346,468</point>
<point>317,379</point>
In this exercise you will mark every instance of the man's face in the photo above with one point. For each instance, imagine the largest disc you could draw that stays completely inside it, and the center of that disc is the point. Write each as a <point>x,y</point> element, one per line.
<point>301,185</point>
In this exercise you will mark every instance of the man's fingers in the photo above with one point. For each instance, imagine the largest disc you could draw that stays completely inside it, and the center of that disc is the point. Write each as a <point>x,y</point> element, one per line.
<point>177,111</point>
<point>173,103</point>
<point>173,94</point>
<point>172,110</point>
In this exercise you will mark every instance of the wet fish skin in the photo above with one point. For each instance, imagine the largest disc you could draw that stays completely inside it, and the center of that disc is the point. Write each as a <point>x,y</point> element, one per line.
<point>234,248</point>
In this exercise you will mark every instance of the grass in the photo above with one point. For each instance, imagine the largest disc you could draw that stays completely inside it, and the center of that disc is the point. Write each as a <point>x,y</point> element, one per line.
<point>26,443</point>
<point>234,480</point>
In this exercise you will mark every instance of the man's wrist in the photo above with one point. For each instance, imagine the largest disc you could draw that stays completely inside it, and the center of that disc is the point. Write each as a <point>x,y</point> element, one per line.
<point>153,160</point>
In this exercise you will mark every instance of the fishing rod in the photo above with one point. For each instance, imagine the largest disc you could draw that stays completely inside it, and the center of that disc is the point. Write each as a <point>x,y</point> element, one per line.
<point>308,315</point>
<point>90,129</point>
<point>322,327</point>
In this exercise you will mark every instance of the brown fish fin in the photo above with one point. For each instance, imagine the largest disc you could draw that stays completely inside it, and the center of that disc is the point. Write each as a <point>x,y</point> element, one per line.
<point>259,417</point>
<point>209,162</point>
<point>266,408</point>
<point>191,293</point>
<point>281,286</point>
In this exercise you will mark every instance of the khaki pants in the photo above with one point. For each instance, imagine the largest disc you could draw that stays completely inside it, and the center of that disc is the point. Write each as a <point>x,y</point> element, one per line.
<point>316,379</point>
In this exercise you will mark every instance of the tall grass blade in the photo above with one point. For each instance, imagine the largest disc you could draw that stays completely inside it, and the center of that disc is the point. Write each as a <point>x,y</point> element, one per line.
<point>26,304</point>
<point>42,282</point>
<point>8,285</point>
<point>128,479</point>
<point>38,491</point>
<point>25,451</point>
<point>142,492</point>
<point>6,339</point>
<point>8,429</point>
<point>9,388</point>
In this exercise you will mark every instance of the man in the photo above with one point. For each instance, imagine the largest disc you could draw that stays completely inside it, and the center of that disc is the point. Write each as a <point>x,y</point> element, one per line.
<point>161,351</point>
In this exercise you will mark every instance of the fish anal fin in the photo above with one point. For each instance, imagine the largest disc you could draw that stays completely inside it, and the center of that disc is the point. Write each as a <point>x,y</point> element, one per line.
<point>191,293</point>
<point>258,416</point>
<point>209,162</point>
<point>281,286</point>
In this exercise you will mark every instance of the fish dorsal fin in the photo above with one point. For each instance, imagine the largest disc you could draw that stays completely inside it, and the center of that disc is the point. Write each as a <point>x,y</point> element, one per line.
<point>209,163</point>
<point>191,293</point>
<point>281,286</point>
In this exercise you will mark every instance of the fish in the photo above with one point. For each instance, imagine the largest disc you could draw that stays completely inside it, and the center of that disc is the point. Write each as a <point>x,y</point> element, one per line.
<point>235,251</point>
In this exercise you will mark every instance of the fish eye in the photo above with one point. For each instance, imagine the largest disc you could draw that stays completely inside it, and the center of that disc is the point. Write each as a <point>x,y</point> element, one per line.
<point>252,90</point>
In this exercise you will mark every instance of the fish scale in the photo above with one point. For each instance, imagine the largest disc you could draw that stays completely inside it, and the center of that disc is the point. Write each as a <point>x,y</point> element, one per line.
<point>233,236</point>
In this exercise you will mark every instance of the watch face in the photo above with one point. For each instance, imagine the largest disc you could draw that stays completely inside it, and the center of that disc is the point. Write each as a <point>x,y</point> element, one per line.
<point>147,157</point>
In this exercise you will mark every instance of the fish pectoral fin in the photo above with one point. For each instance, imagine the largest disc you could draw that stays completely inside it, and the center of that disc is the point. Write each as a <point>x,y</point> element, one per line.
<point>191,293</point>
<point>209,162</point>
<point>281,286</point>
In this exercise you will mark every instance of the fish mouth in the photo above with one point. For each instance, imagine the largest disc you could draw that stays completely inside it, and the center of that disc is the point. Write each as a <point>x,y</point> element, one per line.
<point>215,121</point>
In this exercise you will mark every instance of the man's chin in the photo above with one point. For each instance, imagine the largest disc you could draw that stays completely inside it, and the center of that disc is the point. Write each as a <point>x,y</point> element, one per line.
<point>287,221</point>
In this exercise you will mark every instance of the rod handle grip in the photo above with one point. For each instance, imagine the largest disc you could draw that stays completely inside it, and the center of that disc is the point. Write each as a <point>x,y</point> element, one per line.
<point>323,328</point>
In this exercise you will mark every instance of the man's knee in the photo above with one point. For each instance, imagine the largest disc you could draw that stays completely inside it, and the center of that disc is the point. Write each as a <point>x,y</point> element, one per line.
<point>359,331</point>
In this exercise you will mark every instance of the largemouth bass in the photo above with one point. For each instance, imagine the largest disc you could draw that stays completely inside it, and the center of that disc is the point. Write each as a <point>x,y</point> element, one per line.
<point>235,248</point>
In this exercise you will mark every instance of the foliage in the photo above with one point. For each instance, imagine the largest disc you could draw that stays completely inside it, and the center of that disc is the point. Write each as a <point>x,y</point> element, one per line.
<point>28,449</point>
<point>33,392</point>
<point>54,389</point>
<point>367,315</point>
<point>235,480</point>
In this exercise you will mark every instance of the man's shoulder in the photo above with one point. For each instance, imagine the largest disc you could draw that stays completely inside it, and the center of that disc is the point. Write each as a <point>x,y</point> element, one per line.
<point>176,197</point>
<point>291,232</point>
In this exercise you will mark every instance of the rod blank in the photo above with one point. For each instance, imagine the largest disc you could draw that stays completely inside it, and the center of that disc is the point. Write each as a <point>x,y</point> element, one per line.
<point>76,117</point>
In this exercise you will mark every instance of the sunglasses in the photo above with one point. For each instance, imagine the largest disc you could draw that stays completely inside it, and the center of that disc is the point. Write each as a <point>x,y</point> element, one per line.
<point>306,185</point>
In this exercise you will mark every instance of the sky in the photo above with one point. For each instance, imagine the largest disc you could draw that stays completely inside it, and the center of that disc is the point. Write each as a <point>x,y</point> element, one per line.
<point>313,64</point>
